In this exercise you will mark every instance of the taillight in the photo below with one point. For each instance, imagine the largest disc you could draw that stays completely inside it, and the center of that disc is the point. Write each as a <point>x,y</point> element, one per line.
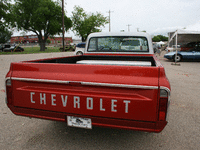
<point>8,82</point>
<point>163,104</point>
<point>8,91</point>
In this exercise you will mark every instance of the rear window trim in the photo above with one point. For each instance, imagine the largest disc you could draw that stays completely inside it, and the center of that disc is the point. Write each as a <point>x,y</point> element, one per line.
<point>96,51</point>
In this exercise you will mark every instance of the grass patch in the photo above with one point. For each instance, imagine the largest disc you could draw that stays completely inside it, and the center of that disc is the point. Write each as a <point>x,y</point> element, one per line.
<point>32,50</point>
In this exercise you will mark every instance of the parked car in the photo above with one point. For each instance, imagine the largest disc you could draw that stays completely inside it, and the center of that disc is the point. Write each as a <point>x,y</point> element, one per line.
<point>1,48</point>
<point>189,46</point>
<point>192,54</point>
<point>13,49</point>
<point>68,47</point>
<point>132,44</point>
<point>79,49</point>
<point>173,48</point>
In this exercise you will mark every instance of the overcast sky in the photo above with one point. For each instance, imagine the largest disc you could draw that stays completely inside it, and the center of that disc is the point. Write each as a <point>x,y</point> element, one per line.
<point>154,16</point>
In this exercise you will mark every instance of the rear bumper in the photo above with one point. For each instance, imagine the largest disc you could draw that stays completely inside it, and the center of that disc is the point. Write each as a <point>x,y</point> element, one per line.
<point>96,121</point>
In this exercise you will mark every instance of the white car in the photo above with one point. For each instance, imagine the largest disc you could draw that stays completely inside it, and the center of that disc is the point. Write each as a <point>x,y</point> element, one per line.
<point>79,50</point>
<point>130,44</point>
<point>173,48</point>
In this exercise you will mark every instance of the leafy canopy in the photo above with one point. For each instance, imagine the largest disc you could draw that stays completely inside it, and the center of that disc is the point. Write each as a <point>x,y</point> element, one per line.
<point>159,38</point>
<point>43,17</point>
<point>84,24</point>
<point>5,34</point>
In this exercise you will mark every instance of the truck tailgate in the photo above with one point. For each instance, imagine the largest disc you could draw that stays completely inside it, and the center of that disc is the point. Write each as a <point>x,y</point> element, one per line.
<point>124,92</point>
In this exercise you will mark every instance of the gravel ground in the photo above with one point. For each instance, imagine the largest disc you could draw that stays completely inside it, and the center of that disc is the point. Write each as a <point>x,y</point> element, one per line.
<point>181,133</point>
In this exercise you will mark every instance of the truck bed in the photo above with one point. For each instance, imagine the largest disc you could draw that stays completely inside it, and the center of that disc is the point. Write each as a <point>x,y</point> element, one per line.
<point>103,60</point>
<point>57,88</point>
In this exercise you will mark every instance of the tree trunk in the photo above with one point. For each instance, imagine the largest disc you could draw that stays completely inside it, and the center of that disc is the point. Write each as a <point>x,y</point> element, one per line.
<point>83,39</point>
<point>42,46</point>
<point>42,42</point>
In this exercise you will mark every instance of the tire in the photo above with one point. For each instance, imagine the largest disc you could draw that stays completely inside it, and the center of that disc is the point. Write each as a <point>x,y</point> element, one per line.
<point>79,53</point>
<point>178,58</point>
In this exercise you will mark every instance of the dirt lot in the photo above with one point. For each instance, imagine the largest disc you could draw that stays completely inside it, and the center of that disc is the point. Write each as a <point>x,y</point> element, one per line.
<point>181,133</point>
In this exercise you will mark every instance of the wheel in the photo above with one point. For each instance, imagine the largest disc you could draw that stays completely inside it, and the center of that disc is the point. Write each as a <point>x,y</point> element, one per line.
<point>79,53</point>
<point>178,58</point>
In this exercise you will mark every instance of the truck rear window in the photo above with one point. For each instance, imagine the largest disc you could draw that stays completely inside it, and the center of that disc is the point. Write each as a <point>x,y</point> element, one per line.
<point>118,44</point>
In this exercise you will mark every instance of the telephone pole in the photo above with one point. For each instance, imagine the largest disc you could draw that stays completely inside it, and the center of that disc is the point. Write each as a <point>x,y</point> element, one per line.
<point>109,20</point>
<point>128,27</point>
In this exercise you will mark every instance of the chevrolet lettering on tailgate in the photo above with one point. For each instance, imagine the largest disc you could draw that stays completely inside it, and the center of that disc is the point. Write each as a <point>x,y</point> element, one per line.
<point>62,100</point>
<point>117,83</point>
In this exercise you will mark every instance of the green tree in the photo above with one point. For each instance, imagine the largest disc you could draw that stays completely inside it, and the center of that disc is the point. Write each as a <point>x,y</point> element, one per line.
<point>156,39</point>
<point>43,17</point>
<point>48,41</point>
<point>5,33</point>
<point>159,38</point>
<point>163,38</point>
<point>84,24</point>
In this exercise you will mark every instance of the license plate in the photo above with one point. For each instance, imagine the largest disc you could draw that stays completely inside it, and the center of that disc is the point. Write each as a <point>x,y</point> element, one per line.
<point>79,122</point>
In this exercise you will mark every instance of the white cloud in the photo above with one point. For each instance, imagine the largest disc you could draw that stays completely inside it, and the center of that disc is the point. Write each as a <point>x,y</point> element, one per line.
<point>165,30</point>
<point>154,16</point>
<point>194,27</point>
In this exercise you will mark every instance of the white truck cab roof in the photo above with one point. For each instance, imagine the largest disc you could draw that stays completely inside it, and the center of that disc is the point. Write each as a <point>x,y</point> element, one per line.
<point>146,48</point>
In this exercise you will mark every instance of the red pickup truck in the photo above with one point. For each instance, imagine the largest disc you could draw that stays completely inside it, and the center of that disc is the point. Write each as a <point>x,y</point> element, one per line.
<point>118,83</point>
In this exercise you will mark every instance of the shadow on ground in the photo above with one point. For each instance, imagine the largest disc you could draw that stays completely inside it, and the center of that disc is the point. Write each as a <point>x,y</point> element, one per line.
<point>62,137</point>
